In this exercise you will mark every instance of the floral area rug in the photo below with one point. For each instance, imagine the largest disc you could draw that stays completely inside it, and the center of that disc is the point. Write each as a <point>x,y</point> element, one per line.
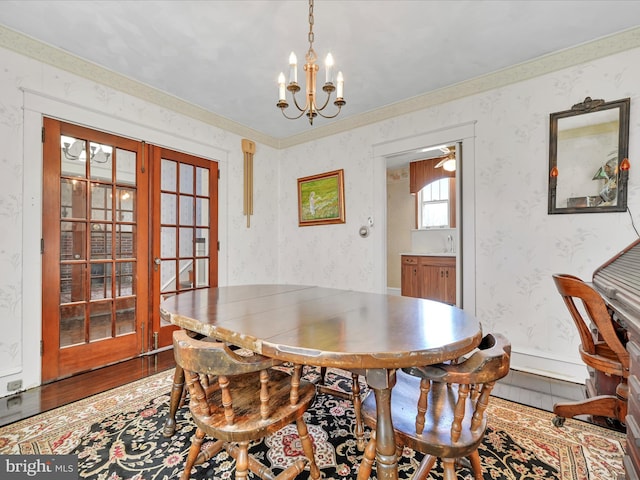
<point>118,435</point>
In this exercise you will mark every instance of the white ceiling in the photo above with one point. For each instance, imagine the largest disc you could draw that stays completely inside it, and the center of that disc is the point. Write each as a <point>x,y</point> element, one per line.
<point>225,56</point>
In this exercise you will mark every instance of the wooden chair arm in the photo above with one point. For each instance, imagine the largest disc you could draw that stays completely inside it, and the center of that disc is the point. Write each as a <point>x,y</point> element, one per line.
<point>490,362</point>
<point>210,357</point>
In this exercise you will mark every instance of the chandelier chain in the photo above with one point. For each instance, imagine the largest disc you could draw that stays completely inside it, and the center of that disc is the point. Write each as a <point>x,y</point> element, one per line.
<point>311,36</point>
<point>310,23</point>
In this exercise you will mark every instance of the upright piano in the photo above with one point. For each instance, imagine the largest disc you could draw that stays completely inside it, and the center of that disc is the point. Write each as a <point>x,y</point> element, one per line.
<point>618,281</point>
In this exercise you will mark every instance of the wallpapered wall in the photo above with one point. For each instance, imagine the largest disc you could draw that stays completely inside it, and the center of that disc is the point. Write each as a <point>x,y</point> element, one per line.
<point>400,222</point>
<point>518,246</point>
<point>247,255</point>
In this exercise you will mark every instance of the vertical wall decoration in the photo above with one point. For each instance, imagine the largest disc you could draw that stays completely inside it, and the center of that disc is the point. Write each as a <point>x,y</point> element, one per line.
<point>248,148</point>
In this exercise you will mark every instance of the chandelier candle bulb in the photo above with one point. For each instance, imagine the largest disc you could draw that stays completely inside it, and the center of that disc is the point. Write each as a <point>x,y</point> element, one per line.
<point>293,63</point>
<point>340,89</point>
<point>329,67</point>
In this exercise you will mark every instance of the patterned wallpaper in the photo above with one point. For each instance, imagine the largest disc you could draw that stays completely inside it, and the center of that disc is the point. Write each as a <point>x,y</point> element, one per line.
<point>518,246</point>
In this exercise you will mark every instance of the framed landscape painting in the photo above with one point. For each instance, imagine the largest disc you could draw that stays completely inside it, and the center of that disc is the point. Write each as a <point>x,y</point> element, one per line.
<point>321,199</point>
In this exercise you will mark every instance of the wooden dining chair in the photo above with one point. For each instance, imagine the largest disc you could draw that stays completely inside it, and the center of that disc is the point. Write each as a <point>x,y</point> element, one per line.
<point>179,392</point>
<point>602,349</point>
<point>440,410</point>
<point>236,400</point>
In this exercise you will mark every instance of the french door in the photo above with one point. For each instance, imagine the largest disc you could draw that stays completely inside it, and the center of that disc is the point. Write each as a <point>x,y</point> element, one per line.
<point>124,224</point>
<point>95,255</point>
<point>185,220</point>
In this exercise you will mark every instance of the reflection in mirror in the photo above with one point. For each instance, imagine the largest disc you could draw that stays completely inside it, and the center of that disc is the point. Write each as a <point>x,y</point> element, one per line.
<point>587,147</point>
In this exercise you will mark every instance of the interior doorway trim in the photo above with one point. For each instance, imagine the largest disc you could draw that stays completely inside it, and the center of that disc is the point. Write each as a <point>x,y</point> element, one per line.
<point>465,134</point>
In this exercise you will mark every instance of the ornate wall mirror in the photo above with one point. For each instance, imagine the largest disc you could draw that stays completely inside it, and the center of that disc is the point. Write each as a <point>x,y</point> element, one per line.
<point>588,165</point>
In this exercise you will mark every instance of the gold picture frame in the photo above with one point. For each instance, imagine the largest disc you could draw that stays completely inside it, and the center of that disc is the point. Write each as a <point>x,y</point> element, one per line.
<point>321,199</point>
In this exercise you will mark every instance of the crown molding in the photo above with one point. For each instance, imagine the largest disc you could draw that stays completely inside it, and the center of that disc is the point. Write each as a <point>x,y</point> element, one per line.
<point>551,62</point>
<point>612,44</point>
<point>32,48</point>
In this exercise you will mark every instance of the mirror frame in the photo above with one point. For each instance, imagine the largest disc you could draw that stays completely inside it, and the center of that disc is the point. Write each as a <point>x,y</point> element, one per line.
<point>586,107</point>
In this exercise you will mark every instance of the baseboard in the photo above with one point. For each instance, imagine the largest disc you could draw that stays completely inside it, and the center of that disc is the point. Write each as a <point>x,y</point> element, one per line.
<point>393,291</point>
<point>549,367</point>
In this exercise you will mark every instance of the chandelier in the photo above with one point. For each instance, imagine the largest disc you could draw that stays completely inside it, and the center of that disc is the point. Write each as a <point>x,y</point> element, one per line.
<point>76,152</point>
<point>310,108</point>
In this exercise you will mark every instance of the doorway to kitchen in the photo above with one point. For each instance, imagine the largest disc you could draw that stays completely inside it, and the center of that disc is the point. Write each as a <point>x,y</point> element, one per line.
<point>397,154</point>
<point>421,229</point>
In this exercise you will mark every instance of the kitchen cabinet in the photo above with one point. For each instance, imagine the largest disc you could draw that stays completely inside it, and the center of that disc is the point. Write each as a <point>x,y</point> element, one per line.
<point>409,277</point>
<point>432,277</point>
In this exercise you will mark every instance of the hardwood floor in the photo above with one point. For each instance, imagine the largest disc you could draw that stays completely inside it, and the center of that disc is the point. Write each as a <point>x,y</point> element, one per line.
<point>525,388</point>
<point>55,394</point>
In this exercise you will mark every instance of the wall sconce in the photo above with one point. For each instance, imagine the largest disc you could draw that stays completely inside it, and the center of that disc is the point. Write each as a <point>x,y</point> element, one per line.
<point>624,177</point>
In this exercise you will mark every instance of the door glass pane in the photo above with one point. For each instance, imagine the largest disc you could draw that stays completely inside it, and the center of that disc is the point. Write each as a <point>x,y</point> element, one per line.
<point>71,325</point>
<point>72,283</point>
<point>202,212</point>
<point>169,175</point>
<point>186,178</point>
<point>100,321</point>
<point>202,181</point>
<point>72,240</point>
<point>168,243</point>
<point>125,240</point>
<point>125,204</point>
<point>72,199</point>
<point>186,274</point>
<point>125,316</point>
<point>125,273</point>
<point>100,240</point>
<point>100,281</point>
<point>125,167</point>
<point>202,242</point>
<point>168,209</point>
<point>202,272</point>
<point>72,157</point>
<point>186,210</point>
<point>101,164</point>
<point>101,202</point>
<point>168,276</point>
<point>186,242</point>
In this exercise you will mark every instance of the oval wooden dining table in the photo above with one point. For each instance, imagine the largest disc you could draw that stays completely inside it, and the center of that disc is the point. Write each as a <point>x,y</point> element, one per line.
<point>326,327</point>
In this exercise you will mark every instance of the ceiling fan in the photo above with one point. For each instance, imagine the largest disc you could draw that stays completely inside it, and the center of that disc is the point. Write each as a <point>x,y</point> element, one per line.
<point>448,162</point>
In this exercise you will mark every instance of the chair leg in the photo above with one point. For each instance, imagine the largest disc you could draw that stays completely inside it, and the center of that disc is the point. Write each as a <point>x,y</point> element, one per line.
<point>196,443</point>
<point>253,465</point>
<point>176,394</point>
<point>307,446</point>
<point>323,372</point>
<point>425,467</point>
<point>475,465</point>
<point>357,408</point>
<point>242,461</point>
<point>369,456</point>
<point>209,452</point>
<point>449,467</point>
